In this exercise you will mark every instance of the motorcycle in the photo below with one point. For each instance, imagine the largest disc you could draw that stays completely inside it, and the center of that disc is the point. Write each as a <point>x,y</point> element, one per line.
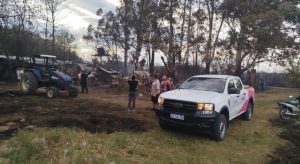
<point>289,108</point>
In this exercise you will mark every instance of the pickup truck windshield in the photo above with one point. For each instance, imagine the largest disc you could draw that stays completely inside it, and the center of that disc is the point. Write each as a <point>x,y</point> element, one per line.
<point>205,84</point>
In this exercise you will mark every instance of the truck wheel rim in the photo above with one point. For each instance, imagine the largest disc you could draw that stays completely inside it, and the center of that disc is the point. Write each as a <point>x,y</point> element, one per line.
<point>222,129</point>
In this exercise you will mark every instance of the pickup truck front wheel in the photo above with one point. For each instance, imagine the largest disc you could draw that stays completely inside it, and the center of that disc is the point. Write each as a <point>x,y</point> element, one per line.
<point>220,128</point>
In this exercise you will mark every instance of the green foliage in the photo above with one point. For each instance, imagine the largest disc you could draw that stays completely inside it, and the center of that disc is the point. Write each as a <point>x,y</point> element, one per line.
<point>294,74</point>
<point>28,44</point>
<point>266,31</point>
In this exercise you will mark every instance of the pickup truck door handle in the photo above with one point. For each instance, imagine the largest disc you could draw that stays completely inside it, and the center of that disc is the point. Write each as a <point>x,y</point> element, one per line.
<point>238,96</point>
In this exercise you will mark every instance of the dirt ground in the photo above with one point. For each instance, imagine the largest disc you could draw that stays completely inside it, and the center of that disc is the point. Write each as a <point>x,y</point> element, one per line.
<point>97,111</point>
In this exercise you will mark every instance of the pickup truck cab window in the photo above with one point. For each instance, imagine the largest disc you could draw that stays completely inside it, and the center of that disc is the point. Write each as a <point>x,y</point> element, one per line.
<point>238,83</point>
<point>231,84</point>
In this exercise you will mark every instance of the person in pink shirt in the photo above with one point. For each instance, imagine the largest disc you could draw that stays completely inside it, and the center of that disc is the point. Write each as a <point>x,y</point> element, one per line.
<point>155,91</point>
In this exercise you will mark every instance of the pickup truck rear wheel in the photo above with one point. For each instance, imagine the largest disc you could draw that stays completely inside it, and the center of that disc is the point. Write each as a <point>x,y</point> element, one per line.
<point>248,114</point>
<point>220,128</point>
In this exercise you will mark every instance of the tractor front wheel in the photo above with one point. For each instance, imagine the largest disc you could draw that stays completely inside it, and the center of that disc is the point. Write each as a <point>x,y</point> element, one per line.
<point>52,92</point>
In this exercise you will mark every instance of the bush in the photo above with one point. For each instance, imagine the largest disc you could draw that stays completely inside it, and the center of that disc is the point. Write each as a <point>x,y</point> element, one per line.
<point>294,74</point>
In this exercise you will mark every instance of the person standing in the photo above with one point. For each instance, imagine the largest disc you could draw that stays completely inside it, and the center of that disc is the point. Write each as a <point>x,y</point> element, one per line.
<point>133,84</point>
<point>83,82</point>
<point>19,74</point>
<point>171,83</point>
<point>165,84</point>
<point>155,91</point>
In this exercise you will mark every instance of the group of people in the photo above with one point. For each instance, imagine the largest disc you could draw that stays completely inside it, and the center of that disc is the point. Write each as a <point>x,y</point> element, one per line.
<point>157,87</point>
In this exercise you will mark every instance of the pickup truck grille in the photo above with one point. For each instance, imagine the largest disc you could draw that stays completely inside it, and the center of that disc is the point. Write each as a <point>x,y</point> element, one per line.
<point>179,106</point>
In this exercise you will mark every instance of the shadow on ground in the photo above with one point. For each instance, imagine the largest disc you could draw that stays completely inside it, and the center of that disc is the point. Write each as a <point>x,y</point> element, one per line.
<point>289,153</point>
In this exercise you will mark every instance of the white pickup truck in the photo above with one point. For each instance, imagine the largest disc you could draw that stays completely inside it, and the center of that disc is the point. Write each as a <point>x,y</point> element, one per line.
<point>206,103</point>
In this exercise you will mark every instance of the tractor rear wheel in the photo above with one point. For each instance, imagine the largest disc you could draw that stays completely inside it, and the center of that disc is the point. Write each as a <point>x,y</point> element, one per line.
<point>52,92</point>
<point>29,83</point>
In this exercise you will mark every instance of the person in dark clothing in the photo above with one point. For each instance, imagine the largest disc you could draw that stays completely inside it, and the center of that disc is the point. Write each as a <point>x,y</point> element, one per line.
<point>133,84</point>
<point>83,82</point>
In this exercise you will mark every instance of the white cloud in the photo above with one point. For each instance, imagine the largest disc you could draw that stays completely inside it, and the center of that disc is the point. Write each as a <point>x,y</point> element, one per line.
<point>114,2</point>
<point>85,12</point>
<point>76,17</point>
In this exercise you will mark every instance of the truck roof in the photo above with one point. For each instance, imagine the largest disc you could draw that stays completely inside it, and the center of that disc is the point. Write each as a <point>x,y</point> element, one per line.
<point>216,76</point>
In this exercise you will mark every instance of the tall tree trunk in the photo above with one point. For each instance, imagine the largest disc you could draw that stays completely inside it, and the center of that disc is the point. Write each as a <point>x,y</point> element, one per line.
<point>138,49</point>
<point>126,38</point>
<point>46,35</point>
<point>188,34</point>
<point>196,60</point>
<point>182,31</point>
<point>152,61</point>
<point>53,33</point>
<point>238,64</point>
<point>149,55</point>
<point>207,67</point>
<point>172,55</point>
<point>238,58</point>
<point>210,9</point>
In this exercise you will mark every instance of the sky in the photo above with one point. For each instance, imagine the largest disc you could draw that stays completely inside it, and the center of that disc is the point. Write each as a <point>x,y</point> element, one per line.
<point>77,15</point>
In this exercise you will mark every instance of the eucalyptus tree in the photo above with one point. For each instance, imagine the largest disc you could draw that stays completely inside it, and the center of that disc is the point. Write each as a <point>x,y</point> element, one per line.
<point>141,11</point>
<point>107,34</point>
<point>262,30</point>
<point>53,8</point>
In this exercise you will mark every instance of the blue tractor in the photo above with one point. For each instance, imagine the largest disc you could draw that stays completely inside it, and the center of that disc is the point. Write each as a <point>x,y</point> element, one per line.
<point>44,74</point>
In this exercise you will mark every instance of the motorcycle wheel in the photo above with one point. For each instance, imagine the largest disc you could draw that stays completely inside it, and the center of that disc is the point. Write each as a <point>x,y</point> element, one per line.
<point>283,114</point>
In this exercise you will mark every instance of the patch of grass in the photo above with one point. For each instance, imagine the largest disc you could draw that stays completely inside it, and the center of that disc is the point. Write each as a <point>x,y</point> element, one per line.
<point>26,147</point>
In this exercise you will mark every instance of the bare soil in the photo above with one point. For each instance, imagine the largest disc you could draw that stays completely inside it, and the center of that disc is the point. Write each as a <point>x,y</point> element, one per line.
<point>93,112</point>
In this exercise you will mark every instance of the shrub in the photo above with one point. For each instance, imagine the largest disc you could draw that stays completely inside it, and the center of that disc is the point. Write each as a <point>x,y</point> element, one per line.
<point>294,74</point>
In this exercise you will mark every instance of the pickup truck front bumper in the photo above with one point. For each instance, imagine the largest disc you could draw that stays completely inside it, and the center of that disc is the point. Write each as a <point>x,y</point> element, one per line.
<point>195,121</point>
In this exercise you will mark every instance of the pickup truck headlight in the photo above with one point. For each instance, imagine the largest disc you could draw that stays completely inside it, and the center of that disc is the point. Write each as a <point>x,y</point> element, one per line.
<point>161,101</point>
<point>206,107</point>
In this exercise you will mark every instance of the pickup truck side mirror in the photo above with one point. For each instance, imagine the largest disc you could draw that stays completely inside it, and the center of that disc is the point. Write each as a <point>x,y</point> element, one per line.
<point>234,91</point>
